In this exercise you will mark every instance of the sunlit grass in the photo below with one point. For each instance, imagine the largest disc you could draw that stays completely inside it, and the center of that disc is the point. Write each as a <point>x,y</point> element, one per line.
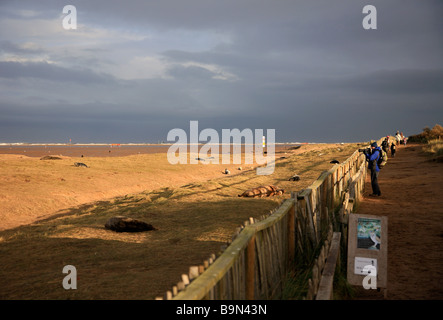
<point>434,147</point>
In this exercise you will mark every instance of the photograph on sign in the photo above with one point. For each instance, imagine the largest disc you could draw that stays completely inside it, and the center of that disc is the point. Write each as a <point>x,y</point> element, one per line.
<point>363,266</point>
<point>368,234</point>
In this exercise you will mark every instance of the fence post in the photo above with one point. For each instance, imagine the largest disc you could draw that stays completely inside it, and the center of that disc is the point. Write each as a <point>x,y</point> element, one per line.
<point>291,234</point>
<point>250,269</point>
<point>324,203</point>
<point>310,216</point>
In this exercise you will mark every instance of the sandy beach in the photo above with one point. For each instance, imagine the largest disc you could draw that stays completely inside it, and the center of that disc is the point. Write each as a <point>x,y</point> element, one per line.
<point>32,189</point>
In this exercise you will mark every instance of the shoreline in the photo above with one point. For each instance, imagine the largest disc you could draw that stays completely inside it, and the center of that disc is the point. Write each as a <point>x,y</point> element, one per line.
<point>94,150</point>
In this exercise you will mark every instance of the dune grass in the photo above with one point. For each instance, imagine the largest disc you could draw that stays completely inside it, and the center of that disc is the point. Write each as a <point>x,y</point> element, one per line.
<point>434,148</point>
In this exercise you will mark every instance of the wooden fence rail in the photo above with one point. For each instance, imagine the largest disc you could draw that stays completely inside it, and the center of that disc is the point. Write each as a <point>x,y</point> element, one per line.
<point>255,264</point>
<point>325,286</point>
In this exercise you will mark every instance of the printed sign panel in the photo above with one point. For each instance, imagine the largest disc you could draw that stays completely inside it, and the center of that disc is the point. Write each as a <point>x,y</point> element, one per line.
<point>368,234</point>
<point>361,265</point>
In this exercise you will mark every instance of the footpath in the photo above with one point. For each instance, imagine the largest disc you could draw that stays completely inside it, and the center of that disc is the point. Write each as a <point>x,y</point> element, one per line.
<point>412,199</point>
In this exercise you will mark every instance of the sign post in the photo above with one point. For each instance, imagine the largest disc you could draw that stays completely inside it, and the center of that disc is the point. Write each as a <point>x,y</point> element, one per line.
<point>368,251</point>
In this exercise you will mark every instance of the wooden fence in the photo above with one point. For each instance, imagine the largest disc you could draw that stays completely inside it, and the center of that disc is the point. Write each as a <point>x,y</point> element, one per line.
<point>257,261</point>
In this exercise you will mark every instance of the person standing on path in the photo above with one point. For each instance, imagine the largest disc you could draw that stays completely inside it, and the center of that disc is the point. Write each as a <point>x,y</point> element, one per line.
<point>372,158</point>
<point>393,150</point>
<point>385,144</point>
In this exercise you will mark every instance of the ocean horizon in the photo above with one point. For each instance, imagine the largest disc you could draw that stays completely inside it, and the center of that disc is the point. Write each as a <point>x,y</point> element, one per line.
<point>107,144</point>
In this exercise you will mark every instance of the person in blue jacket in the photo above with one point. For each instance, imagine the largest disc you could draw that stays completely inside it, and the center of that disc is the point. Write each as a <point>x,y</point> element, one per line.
<point>373,166</point>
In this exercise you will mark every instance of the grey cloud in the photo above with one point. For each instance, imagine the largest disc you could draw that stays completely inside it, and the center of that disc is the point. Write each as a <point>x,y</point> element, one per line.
<point>11,47</point>
<point>47,71</point>
<point>381,82</point>
<point>406,81</point>
<point>190,72</point>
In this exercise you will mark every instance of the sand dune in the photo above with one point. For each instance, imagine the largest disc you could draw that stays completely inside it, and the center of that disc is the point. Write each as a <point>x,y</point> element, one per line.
<point>32,189</point>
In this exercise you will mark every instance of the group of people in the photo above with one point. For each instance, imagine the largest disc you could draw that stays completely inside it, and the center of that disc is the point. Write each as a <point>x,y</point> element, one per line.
<point>391,145</point>
<point>376,153</point>
<point>400,138</point>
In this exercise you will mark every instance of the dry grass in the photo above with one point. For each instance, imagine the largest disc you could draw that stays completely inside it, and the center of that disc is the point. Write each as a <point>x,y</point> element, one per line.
<point>194,214</point>
<point>434,149</point>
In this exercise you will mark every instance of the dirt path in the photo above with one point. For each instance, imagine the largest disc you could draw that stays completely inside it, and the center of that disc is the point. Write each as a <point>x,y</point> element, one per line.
<point>412,194</point>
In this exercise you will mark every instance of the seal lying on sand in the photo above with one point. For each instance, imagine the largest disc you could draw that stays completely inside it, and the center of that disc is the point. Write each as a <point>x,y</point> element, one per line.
<point>125,224</point>
<point>80,164</point>
<point>50,158</point>
<point>294,178</point>
<point>262,191</point>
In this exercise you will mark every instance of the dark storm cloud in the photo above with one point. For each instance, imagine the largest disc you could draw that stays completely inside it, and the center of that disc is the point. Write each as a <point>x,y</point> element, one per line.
<point>306,68</point>
<point>387,82</point>
<point>411,82</point>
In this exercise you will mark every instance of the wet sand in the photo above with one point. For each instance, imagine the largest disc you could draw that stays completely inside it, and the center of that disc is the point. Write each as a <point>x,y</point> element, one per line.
<point>85,150</point>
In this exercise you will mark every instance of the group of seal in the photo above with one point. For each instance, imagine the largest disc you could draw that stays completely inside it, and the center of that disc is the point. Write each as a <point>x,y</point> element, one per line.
<point>262,191</point>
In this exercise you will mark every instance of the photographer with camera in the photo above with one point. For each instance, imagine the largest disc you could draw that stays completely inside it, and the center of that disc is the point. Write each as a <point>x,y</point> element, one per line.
<point>372,155</point>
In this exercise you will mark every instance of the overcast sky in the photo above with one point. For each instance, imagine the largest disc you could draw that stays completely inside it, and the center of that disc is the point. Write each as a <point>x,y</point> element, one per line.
<point>135,69</point>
